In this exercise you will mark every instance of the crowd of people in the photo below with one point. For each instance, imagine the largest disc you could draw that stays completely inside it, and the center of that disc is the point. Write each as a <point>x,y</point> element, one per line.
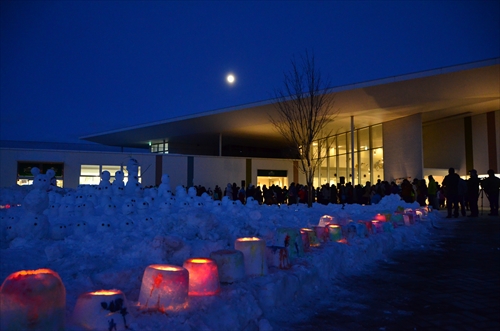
<point>455,194</point>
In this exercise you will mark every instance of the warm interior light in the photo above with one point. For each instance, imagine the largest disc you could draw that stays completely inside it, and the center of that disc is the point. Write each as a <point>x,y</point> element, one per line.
<point>105,292</point>
<point>248,239</point>
<point>165,267</point>
<point>199,260</point>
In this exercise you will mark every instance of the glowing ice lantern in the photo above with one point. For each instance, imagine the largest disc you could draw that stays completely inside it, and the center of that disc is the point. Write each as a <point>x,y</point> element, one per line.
<point>101,310</point>
<point>164,287</point>
<point>231,265</point>
<point>377,226</point>
<point>313,240</point>
<point>321,233</point>
<point>254,251</point>
<point>335,232</point>
<point>305,239</point>
<point>325,220</point>
<point>203,276</point>
<point>292,239</point>
<point>380,217</point>
<point>33,300</point>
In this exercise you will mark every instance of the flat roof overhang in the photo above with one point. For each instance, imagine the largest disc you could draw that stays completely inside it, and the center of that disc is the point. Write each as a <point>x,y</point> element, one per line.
<point>439,94</point>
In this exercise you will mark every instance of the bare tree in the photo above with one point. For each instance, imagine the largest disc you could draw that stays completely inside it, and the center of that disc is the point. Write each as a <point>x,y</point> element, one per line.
<point>304,108</point>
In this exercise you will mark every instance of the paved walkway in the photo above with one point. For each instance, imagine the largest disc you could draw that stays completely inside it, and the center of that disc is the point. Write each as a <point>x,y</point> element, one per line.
<point>453,284</point>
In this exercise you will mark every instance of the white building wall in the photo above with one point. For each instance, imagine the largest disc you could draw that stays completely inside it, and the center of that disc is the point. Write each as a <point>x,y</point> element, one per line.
<point>479,144</point>
<point>215,170</point>
<point>72,163</point>
<point>403,155</point>
<point>176,167</point>
<point>444,145</point>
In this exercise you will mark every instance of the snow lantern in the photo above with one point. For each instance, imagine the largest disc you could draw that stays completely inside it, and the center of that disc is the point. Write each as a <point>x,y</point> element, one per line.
<point>321,233</point>
<point>305,240</point>
<point>230,263</point>
<point>292,239</point>
<point>203,276</point>
<point>33,300</point>
<point>101,310</point>
<point>411,215</point>
<point>325,220</point>
<point>380,217</point>
<point>377,226</point>
<point>164,287</point>
<point>254,252</point>
<point>311,234</point>
<point>335,232</point>
<point>369,226</point>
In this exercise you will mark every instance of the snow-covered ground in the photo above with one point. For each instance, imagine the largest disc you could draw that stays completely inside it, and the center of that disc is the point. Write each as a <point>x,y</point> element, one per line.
<point>99,240</point>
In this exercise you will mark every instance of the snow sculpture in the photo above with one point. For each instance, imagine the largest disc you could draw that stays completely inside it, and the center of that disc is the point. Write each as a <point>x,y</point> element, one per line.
<point>133,177</point>
<point>118,185</point>
<point>33,300</point>
<point>254,251</point>
<point>37,200</point>
<point>203,276</point>
<point>101,310</point>
<point>164,189</point>
<point>231,265</point>
<point>164,287</point>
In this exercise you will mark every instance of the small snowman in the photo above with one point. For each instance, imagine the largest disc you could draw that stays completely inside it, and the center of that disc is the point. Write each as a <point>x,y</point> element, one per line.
<point>37,200</point>
<point>133,177</point>
<point>164,189</point>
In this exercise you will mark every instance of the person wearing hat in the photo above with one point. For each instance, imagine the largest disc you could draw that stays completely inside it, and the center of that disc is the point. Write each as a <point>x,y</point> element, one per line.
<point>473,193</point>
<point>491,186</point>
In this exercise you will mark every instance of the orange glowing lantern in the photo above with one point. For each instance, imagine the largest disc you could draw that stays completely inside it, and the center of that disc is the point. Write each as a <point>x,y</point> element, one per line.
<point>254,252</point>
<point>335,232</point>
<point>380,217</point>
<point>231,265</point>
<point>33,300</point>
<point>101,310</point>
<point>164,287</point>
<point>313,240</point>
<point>203,276</point>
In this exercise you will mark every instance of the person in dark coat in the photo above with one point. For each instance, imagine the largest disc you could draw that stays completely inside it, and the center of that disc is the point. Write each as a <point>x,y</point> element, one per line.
<point>473,193</point>
<point>450,186</point>
<point>491,186</point>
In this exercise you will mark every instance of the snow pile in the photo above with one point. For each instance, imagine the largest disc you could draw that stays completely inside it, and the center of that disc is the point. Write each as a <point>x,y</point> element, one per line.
<point>101,239</point>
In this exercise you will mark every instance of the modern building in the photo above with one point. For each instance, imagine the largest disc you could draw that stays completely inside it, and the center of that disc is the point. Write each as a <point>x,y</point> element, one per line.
<point>407,126</point>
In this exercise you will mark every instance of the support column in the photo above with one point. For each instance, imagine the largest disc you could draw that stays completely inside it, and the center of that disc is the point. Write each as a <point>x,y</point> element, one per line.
<point>352,149</point>
<point>220,144</point>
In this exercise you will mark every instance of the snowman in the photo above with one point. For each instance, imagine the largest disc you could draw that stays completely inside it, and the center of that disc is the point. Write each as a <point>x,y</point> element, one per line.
<point>133,177</point>
<point>37,200</point>
<point>164,190</point>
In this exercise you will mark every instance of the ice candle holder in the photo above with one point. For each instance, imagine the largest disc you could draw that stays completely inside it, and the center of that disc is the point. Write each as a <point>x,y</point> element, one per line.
<point>254,252</point>
<point>101,310</point>
<point>33,300</point>
<point>164,287</point>
<point>203,276</point>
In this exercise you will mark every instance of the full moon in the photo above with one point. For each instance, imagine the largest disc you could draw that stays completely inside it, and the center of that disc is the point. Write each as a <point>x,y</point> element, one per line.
<point>230,79</point>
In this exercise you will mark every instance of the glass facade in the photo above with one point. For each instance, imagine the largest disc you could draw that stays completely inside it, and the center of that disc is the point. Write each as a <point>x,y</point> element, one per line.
<point>368,157</point>
<point>160,148</point>
<point>90,174</point>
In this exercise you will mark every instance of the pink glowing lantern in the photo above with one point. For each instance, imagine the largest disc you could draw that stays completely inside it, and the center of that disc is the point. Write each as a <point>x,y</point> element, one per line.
<point>231,265</point>
<point>335,232</point>
<point>254,252</point>
<point>164,287</point>
<point>311,234</point>
<point>203,276</point>
<point>101,310</point>
<point>321,233</point>
<point>380,217</point>
<point>32,300</point>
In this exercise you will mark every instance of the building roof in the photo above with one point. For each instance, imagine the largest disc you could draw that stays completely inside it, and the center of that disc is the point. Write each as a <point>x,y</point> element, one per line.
<point>439,94</point>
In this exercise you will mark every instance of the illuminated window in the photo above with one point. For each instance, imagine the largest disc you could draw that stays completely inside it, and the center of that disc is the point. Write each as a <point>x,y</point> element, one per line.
<point>25,177</point>
<point>90,174</point>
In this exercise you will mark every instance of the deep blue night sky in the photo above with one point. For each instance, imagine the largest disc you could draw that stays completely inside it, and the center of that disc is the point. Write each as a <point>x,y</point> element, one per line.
<point>70,69</point>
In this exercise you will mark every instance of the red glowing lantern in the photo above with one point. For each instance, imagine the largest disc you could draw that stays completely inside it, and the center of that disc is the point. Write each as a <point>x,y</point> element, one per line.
<point>254,251</point>
<point>33,300</point>
<point>203,276</point>
<point>101,310</point>
<point>164,287</point>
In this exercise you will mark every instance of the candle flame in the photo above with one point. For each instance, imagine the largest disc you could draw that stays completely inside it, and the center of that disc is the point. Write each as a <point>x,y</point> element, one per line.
<point>200,260</point>
<point>248,239</point>
<point>166,267</point>
<point>106,292</point>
